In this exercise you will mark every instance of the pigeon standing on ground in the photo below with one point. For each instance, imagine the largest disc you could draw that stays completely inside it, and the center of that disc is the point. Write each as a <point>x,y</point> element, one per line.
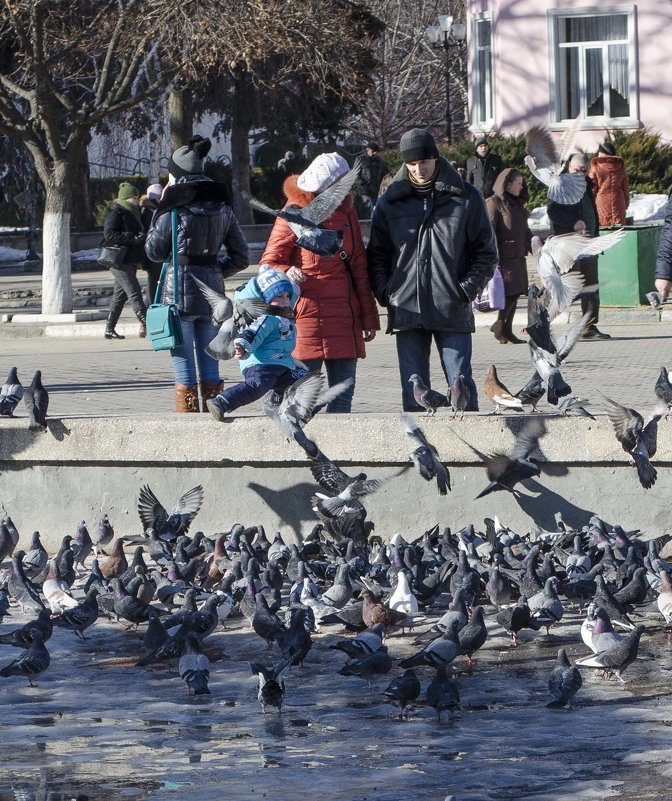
<point>425,457</point>
<point>459,396</point>
<point>442,692</point>
<point>31,664</point>
<point>496,392</point>
<point>369,666</point>
<point>194,666</point>
<point>271,688</point>
<point>564,682</point>
<point>402,691</point>
<point>103,534</point>
<point>10,394</point>
<point>36,399</point>
<point>428,398</point>
<point>617,659</point>
<point>663,389</point>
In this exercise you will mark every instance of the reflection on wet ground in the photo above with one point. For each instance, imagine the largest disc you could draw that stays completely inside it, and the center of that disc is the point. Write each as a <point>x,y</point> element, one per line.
<point>133,733</point>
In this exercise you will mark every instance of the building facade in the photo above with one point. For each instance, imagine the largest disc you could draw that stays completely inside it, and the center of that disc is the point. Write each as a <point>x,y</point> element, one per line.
<point>543,62</point>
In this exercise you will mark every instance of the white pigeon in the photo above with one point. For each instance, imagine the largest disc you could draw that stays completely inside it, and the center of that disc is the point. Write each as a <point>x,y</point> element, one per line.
<point>402,599</point>
<point>547,163</point>
<point>556,257</point>
<point>56,591</point>
<point>664,600</point>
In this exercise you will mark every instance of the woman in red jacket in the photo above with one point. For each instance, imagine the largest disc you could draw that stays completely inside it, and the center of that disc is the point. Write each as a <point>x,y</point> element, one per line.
<point>336,313</point>
<point>611,188</point>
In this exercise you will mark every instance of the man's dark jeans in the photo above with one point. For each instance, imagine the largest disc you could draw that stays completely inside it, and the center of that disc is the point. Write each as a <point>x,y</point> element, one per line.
<point>413,351</point>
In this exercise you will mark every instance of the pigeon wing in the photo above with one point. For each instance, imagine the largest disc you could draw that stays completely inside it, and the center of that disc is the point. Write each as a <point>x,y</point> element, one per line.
<point>329,475</point>
<point>569,338</point>
<point>221,306</point>
<point>628,424</point>
<point>326,203</point>
<point>187,506</point>
<point>151,511</point>
<point>301,397</point>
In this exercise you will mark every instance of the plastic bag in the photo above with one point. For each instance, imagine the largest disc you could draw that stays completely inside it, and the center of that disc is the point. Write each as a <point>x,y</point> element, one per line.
<point>493,297</point>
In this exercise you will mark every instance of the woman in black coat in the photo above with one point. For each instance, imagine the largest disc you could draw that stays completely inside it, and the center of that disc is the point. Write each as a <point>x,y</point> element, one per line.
<point>123,228</point>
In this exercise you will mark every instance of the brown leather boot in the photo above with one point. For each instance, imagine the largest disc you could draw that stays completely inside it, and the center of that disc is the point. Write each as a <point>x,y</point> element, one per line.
<point>209,389</point>
<point>186,399</point>
<point>497,329</point>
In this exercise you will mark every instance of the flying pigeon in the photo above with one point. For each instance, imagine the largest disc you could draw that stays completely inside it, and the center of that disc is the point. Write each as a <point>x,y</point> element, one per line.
<point>547,163</point>
<point>637,438</point>
<point>11,393</point>
<point>663,389</point>
<point>304,222</point>
<point>558,255</point>
<point>503,471</point>
<point>169,527</point>
<point>425,457</point>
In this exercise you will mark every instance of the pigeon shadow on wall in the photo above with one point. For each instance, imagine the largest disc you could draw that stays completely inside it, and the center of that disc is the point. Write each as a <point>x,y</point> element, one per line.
<point>291,504</point>
<point>543,507</point>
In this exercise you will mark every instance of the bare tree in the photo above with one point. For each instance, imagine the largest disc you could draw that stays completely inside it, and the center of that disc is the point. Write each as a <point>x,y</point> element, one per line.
<point>412,78</point>
<point>67,65</point>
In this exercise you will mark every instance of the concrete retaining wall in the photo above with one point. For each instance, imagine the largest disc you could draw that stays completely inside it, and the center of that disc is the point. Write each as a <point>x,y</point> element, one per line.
<point>51,481</point>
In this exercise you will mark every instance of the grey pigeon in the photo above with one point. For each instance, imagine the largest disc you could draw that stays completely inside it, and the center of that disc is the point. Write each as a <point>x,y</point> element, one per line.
<point>295,641</point>
<point>503,471</point>
<point>425,457</point>
<point>366,642</point>
<point>616,659</point>
<point>103,534</point>
<point>369,666</point>
<point>169,527</point>
<point>271,685</point>
<point>155,633</point>
<point>11,393</point>
<point>514,618</point>
<point>23,636</point>
<point>304,222</point>
<point>663,388</point>
<point>442,692</point>
<point>403,690</point>
<point>36,557</point>
<point>637,438</point>
<point>546,365</point>
<point>459,396</point>
<point>340,591</point>
<point>440,651</point>
<point>564,682</point>
<point>221,305</point>
<point>428,398</point>
<point>21,588</point>
<point>194,666</point>
<point>31,664</point>
<point>81,616</point>
<point>82,544</point>
<point>473,636</point>
<point>546,607</point>
<point>36,399</point>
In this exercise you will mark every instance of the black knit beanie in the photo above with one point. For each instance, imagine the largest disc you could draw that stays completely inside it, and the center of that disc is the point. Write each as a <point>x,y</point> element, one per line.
<point>607,148</point>
<point>417,145</point>
<point>188,159</point>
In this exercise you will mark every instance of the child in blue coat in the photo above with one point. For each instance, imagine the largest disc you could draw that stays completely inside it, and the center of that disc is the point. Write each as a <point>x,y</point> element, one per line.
<point>265,346</point>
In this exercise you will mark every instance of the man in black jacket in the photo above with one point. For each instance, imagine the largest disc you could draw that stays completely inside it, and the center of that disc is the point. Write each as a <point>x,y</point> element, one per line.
<point>581,217</point>
<point>430,253</point>
<point>484,167</point>
<point>372,170</point>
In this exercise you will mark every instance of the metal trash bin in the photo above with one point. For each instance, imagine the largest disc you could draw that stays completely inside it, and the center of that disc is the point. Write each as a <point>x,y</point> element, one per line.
<point>626,271</point>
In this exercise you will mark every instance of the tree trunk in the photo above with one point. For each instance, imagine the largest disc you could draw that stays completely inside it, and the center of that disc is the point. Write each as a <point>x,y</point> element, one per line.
<point>56,255</point>
<point>180,110</point>
<point>241,122</point>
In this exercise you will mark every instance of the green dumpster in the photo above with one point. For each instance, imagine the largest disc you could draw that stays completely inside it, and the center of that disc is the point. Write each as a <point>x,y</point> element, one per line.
<point>626,271</point>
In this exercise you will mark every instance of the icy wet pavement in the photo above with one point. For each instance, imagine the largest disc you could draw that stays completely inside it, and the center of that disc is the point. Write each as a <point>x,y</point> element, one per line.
<point>134,733</point>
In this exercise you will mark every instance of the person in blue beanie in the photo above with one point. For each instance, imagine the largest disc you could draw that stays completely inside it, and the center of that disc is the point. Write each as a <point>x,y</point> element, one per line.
<point>265,346</point>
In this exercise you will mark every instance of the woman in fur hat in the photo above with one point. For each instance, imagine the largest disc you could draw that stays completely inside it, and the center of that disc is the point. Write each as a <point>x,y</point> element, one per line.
<point>336,313</point>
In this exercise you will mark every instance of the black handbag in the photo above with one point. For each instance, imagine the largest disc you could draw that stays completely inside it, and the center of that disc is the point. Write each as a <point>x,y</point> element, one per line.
<point>164,328</point>
<point>112,255</point>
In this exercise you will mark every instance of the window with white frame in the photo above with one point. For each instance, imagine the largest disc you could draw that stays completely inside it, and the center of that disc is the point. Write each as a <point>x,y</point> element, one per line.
<point>593,51</point>
<point>482,82</point>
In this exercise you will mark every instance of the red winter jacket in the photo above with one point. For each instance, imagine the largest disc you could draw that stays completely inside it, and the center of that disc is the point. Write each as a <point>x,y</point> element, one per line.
<point>336,305</point>
<point>611,189</point>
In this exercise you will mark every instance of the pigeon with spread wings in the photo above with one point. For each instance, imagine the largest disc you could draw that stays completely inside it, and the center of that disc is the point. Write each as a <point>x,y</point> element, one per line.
<point>425,457</point>
<point>637,438</point>
<point>304,222</point>
<point>155,517</point>
<point>547,163</point>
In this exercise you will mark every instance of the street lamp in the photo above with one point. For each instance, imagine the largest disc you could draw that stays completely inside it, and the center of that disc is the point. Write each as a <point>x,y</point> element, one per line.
<point>447,34</point>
